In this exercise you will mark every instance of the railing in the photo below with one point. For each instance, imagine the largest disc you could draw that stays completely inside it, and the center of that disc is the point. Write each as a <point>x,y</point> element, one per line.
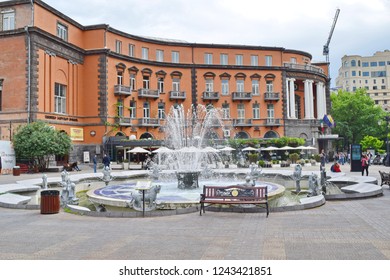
<point>210,95</point>
<point>177,95</point>
<point>272,122</point>
<point>122,90</point>
<point>242,122</point>
<point>143,92</point>
<point>148,122</point>
<point>306,67</point>
<point>271,96</point>
<point>124,121</point>
<point>242,95</point>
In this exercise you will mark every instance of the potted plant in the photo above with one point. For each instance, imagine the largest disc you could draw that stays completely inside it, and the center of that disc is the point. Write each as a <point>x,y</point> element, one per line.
<point>125,164</point>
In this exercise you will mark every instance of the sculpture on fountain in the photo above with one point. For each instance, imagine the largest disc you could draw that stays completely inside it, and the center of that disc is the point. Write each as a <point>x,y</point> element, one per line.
<point>68,192</point>
<point>148,198</point>
<point>255,172</point>
<point>297,176</point>
<point>314,188</point>
<point>107,178</point>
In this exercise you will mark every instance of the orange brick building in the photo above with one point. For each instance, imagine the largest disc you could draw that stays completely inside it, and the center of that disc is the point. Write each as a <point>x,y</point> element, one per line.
<point>96,82</point>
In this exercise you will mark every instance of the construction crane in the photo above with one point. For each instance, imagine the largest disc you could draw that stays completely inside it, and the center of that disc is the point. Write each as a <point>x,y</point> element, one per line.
<point>326,46</point>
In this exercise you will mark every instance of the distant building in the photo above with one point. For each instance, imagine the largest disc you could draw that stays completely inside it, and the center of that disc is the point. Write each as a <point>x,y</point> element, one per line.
<point>98,84</point>
<point>369,72</point>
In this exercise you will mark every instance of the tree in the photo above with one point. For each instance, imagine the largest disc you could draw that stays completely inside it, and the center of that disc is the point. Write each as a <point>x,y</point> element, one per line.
<point>38,141</point>
<point>355,115</point>
<point>372,142</point>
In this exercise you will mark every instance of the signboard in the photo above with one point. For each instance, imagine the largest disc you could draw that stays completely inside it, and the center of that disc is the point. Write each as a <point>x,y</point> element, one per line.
<point>76,134</point>
<point>7,157</point>
<point>86,157</point>
<point>356,155</point>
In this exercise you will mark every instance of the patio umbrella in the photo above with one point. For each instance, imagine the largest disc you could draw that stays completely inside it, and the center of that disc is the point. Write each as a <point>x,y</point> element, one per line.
<point>250,149</point>
<point>163,150</point>
<point>306,148</point>
<point>137,150</point>
<point>270,148</point>
<point>210,150</point>
<point>287,148</point>
<point>227,149</point>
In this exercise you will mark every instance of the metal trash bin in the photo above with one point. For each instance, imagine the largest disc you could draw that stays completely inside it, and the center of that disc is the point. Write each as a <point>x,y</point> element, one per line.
<point>16,171</point>
<point>50,202</point>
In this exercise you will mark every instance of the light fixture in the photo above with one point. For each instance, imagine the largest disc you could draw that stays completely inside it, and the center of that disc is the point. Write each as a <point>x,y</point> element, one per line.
<point>92,133</point>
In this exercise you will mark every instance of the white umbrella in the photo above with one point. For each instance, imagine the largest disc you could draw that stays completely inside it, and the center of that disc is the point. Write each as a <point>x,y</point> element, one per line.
<point>210,150</point>
<point>227,149</point>
<point>306,148</point>
<point>137,150</point>
<point>250,149</point>
<point>163,150</point>
<point>270,148</point>
<point>287,148</point>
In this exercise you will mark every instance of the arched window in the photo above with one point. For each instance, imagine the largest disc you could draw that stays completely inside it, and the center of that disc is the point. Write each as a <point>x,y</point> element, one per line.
<point>271,134</point>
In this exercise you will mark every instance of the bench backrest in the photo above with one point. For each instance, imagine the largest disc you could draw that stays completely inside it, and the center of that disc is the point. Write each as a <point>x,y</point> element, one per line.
<point>235,192</point>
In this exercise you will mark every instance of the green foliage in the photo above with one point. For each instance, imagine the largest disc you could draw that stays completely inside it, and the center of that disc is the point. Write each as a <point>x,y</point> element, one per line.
<point>256,143</point>
<point>38,141</point>
<point>253,158</point>
<point>294,157</point>
<point>355,114</point>
<point>371,142</point>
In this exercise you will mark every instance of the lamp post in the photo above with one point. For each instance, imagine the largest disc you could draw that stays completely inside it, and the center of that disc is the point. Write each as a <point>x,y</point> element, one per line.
<point>387,119</point>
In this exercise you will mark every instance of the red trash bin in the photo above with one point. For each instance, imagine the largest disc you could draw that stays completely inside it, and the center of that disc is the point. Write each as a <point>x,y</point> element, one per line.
<point>50,202</point>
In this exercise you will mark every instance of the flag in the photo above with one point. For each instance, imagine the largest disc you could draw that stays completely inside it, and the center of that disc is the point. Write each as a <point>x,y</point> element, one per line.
<point>328,120</point>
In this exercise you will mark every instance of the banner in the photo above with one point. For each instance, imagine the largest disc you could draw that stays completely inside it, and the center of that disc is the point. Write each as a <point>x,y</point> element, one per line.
<point>7,157</point>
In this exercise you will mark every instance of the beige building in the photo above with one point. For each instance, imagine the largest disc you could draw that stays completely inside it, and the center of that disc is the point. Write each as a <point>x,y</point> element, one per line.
<point>369,72</point>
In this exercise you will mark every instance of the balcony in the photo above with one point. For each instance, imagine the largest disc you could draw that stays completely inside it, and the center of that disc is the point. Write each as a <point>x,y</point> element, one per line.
<point>149,122</point>
<point>144,92</point>
<point>242,122</point>
<point>121,90</point>
<point>123,121</point>
<point>271,96</point>
<point>177,95</point>
<point>272,122</point>
<point>306,67</point>
<point>210,95</point>
<point>242,96</point>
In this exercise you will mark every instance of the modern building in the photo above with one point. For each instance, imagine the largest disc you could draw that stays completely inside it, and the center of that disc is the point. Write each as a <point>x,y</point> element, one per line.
<point>369,72</point>
<point>102,85</point>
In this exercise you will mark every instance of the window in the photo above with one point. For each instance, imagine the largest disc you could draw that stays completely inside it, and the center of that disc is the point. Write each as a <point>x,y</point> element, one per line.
<point>373,64</point>
<point>62,31</point>
<point>225,87</point>
<point>225,111</point>
<point>364,64</point>
<point>175,84</point>
<point>346,74</point>
<point>1,94</point>
<point>175,57</point>
<point>60,98</point>
<point>132,82</point>
<point>239,59</point>
<point>353,63</point>
<point>268,60</point>
<point>145,82</point>
<point>269,86</point>
<point>131,50</point>
<point>118,46</point>
<point>161,110</point>
<point>8,19</point>
<point>146,110</point>
<point>145,53</point>
<point>353,73</point>
<point>256,111</point>
<point>160,55</point>
<point>382,63</point>
<point>119,78</point>
<point>224,59</point>
<point>160,85</point>
<point>270,111</point>
<point>255,87</point>
<point>209,85</point>
<point>240,111</point>
<point>254,60</point>
<point>378,74</point>
<point>208,58</point>
<point>132,108</point>
<point>120,108</point>
<point>240,85</point>
<point>366,74</point>
<point>293,60</point>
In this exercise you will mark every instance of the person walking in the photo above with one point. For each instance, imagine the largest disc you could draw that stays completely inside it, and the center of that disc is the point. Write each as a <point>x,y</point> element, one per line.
<point>94,164</point>
<point>106,161</point>
<point>323,159</point>
<point>365,164</point>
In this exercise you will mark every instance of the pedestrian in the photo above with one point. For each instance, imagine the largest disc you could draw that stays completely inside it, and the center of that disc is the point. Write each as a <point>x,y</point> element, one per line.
<point>323,159</point>
<point>94,164</point>
<point>365,164</point>
<point>106,161</point>
<point>0,165</point>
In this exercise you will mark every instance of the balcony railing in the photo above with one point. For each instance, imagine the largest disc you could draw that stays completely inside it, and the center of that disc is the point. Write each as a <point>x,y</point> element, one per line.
<point>124,121</point>
<point>122,90</point>
<point>148,122</point>
<point>242,122</point>
<point>271,96</point>
<point>210,95</point>
<point>307,67</point>
<point>242,95</point>
<point>177,95</point>
<point>272,122</point>
<point>144,92</point>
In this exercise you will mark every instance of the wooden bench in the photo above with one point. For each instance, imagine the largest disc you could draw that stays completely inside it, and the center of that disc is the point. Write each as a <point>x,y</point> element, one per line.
<point>385,178</point>
<point>233,195</point>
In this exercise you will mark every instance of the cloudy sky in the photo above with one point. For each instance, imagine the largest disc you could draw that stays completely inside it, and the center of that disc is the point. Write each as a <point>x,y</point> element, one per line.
<point>362,27</point>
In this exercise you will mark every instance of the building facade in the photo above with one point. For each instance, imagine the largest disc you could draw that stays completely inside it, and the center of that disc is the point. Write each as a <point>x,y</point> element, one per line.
<point>96,82</point>
<point>369,72</point>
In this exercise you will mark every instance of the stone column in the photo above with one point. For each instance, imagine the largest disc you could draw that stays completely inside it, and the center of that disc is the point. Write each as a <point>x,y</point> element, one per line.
<point>292,99</point>
<point>307,99</point>
<point>288,98</point>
